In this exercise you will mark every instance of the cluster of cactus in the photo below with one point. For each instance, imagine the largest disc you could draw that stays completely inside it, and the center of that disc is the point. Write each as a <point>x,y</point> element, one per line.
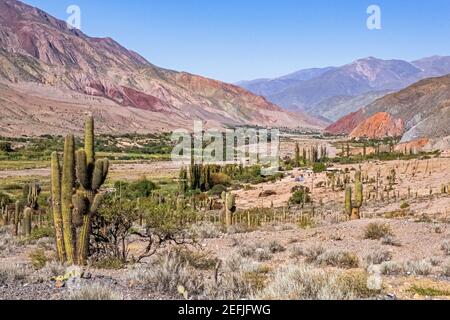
<point>352,208</point>
<point>200,177</point>
<point>310,154</point>
<point>229,204</point>
<point>75,196</point>
<point>31,194</point>
<point>392,177</point>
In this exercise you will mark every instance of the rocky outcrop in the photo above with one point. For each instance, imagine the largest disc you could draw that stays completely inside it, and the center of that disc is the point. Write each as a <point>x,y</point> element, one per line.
<point>378,126</point>
<point>424,109</point>
<point>346,124</point>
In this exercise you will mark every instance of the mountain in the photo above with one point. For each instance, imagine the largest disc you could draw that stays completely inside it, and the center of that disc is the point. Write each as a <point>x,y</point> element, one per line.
<point>380,125</point>
<point>51,75</point>
<point>423,108</point>
<point>268,87</point>
<point>345,89</point>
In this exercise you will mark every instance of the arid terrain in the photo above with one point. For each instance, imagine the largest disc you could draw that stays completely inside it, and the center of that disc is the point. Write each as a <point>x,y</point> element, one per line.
<point>399,249</point>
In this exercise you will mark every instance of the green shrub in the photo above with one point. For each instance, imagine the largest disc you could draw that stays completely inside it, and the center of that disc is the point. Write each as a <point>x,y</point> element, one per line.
<point>220,179</point>
<point>38,259</point>
<point>217,190</point>
<point>404,205</point>
<point>319,167</point>
<point>376,231</point>
<point>300,197</point>
<point>42,232</point>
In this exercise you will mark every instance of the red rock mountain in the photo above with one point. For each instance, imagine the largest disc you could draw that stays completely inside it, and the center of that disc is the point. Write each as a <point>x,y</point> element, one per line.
<point>424,109</point>
<point>51,75</point>
<point>380,125</point>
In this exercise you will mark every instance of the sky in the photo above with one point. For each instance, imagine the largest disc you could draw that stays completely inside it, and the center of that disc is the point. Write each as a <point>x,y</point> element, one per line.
<point>233,40</point>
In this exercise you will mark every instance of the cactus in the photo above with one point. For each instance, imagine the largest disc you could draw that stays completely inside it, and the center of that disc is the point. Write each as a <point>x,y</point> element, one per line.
<point>56,206</point>
<point>352,208</point>
<point>16,218</point>
<point>297,155</point>
<point>67,186</point>
<point>91,174</point>
<point>348,201</point>
<point>76,207</point>
<point>27,215</point>
<point>229,201</point>
<point>182,182</point>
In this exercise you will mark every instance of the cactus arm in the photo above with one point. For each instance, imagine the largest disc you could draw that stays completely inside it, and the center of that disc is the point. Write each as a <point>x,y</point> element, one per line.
<point>67,186</point>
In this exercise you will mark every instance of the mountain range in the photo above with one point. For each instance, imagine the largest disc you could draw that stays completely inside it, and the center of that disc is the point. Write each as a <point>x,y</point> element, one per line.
<point>51,75</point>
<point>333,92</point>
<point>418,113</point>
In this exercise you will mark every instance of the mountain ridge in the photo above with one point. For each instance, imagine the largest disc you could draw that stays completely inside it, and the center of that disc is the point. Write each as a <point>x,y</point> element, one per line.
<point>36,47</point>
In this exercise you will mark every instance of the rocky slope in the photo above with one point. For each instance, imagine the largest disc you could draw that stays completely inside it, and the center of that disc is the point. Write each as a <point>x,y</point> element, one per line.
<point>334,92</point>
<point>424,108</point>
<point>380,125</point>
<point>39,49</point>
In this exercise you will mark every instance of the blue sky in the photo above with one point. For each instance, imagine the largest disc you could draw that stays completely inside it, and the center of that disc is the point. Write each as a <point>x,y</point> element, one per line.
<point>234,40</point>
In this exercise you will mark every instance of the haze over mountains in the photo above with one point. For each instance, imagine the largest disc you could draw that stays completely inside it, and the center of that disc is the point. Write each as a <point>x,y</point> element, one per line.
<point>50,76</point>
<point>334,92</point>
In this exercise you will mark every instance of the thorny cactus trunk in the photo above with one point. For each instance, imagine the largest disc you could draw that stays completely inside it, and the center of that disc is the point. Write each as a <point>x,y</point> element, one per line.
<point>16,218</point>
<point>352,208</point>
<point>56,206</point>
<point>229,202</point>
<point>76,207</point>
<point>27,214</point>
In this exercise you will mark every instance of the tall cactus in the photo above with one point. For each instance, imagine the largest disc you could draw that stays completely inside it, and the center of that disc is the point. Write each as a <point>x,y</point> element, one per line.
<point>16,218</point>
<point>352,208</point>
<point>297,155</point>
<point>91,174</point>
<point>67,187</point>
<point>76,207</point>
<point>56,206</point>
<point>348,201</point>
<point>229,203</point>
<point>27,215</point>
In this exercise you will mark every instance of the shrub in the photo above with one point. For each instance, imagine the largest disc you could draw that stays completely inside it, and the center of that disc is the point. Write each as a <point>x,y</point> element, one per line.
<point>446,268</point>
<point>404,206</point>
<point>376,231</point>
<point>94,292</point>
<point>38,259</point>
<point>167,274</point>
<point>217,190</point>
<point>418,267</point>
<point>43,232</point>
<point>203,260</point>
<point>306,283</point>
<point>12,272</point>
<point>300,197</point>
<point>378,257</point>
<point>390,240</point>
<point>220,179</point>
<point>340,259</point>
<point>275,247</point>
<point>446,247</point>
<point>391,268</point>
<point>313,252</point>
<point>319,167</point>
<point>236,280</point>
<point>206,230</point>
